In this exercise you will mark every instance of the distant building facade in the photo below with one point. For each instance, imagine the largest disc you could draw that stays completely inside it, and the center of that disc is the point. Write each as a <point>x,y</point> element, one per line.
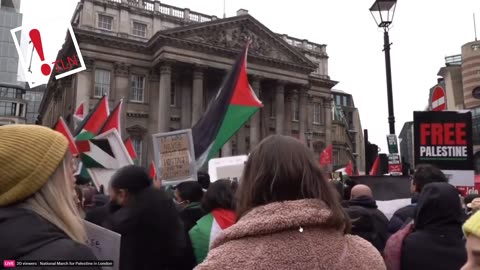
<point>12,105</point>
<point>348,141</point>
<point>168,63</point>
<point>461,80</point>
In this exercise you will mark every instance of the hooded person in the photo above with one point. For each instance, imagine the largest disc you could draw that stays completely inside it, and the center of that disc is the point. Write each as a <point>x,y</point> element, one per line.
<point>288,217</point>
<point>152,233</point>
<point>39,218</point>
<point>437,239</point>
<point>424,174</point>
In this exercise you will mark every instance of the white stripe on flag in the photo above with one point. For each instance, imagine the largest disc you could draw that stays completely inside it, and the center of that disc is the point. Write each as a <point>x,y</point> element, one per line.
<point>214,231</point>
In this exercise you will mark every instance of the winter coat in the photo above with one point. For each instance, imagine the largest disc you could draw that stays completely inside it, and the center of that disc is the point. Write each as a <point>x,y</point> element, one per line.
<point>26,236</point>
<point>190,214</point>
<point>290,235</point>
<point>152,233</point>
<point>368,222</point>
<point>97,215</point>
<point>437,240</point>
<point>403,216</point>
<point>207,229</point>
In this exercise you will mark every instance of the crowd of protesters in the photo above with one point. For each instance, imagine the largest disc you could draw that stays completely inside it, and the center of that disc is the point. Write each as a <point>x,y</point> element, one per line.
<point>283,214</point>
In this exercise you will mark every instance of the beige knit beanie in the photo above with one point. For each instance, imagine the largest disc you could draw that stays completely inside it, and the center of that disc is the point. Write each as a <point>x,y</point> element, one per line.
<point>29,155</point>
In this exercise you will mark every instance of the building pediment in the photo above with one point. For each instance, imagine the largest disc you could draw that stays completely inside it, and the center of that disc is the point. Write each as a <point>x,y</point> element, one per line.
<point>233,33</point>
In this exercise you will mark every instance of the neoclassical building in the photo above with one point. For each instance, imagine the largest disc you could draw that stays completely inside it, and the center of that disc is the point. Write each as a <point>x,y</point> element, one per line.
<point>168,63</point>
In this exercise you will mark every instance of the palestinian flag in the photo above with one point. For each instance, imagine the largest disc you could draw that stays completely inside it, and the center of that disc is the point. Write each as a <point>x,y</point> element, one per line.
<point>349,168</point>
<point>80,112</point>
<point>93,123</point>
<point>326,156</point>
<point>153,170</point>
<point>131,150</point>
<point>233,106</point>
<point>114,120</point>
<point>207,229</point>
<point>376,164</point>
<point>62,127</point>
<point>97,153</point>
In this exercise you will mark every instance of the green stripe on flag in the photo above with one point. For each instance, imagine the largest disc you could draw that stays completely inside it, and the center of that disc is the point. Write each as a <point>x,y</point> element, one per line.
<point>200,237</point>
<point>234,119</point>
<point>84,136</point>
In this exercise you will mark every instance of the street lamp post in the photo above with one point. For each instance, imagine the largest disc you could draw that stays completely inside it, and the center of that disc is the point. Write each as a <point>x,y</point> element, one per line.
<point>383,12</point>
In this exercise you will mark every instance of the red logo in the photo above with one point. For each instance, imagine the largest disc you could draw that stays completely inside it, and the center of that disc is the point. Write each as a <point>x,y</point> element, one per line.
<point>9,263</point>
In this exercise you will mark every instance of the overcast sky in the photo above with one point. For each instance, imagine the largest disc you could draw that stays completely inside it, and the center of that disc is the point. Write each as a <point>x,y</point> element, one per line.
<point>424,32</point>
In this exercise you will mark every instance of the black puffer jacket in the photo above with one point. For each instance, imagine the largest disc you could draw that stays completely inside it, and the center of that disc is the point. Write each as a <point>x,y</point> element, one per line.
<point>152,233</point>
<point>24,235</point>
<point>368,222</point>
<point>437,241</point>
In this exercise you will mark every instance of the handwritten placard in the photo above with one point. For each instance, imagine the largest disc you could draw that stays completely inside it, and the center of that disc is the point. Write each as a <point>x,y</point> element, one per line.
<point>104,244</point>
<point>174,156</point>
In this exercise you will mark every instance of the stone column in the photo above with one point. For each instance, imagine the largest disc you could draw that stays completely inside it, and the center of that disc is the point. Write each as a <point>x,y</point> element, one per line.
<point>280,108</point>
<point>164,97</point>
<point>302,117</point>
<point>197,95</point>
<point>255,120</point>
<point>327,105</point>
<point>289,99</point>
<point>186,92</point>
<point>122,90</point>
<point>227,149</point>
<point>241,141</point>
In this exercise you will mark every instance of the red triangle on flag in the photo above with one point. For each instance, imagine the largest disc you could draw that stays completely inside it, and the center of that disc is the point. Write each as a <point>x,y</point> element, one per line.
<point>114,120</point>
<point>243,94</point>
<point>153,170</point>
<point>95,120</point>
<point>62,127</point>
<point>131,150</point>
<point>80,112</point>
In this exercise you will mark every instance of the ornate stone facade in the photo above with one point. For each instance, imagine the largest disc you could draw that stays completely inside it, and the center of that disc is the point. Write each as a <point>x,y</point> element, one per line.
<point>169,75</point>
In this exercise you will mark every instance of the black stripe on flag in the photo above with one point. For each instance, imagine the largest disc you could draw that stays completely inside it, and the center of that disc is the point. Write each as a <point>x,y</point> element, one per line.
<point>103,144</point>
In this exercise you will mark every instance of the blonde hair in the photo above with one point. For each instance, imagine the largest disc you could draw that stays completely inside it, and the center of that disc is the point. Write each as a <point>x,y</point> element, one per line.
<point>55,203</point>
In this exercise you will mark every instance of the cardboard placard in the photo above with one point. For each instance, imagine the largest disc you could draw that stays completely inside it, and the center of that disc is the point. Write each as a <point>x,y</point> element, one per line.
<point>104,244</point>
<point>226,168</point>
<point>174,156</point>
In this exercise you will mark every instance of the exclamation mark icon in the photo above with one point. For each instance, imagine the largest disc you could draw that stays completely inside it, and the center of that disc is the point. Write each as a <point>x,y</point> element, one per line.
<point>37,43</point>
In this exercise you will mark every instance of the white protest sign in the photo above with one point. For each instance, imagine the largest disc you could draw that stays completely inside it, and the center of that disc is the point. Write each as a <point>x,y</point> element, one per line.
<point>175,156</point>
<point>121,158</point>
<point>104,244</point>
<point>227,167</point>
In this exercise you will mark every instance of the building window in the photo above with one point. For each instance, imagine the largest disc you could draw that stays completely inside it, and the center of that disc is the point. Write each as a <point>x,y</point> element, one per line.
<point>139,29</point>
<point>338,100</point>
<point>137,145</point>
<point>272,107</point>
<point>173,94</point>
<point>102,82</point>
<point>317,113</point>
<point>295,110</point>
<point>138,87</point>
<point>10,92</point>
<point>8,108</point>
<point>345,101</point>
<point>336,158</point>
<point>105,22</point>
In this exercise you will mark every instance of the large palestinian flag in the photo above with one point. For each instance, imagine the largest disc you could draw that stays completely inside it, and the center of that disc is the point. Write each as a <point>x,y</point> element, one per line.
<point>233,106</point>
<point>207,229</point>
